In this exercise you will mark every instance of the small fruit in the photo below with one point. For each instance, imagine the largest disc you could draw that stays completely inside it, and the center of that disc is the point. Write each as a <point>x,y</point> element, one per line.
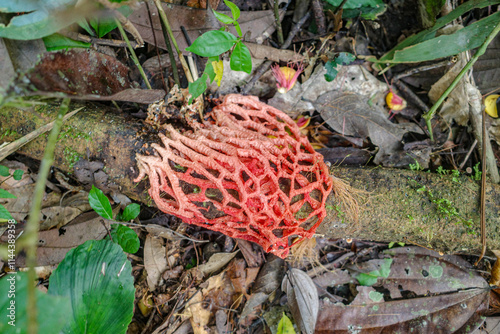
<point>395,102</point>
<point>492,104</point>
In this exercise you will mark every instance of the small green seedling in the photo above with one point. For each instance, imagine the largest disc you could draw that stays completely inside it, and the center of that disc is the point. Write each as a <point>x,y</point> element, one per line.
<point>214,43</point>
<point>120,234</point>
<point>343,58</point>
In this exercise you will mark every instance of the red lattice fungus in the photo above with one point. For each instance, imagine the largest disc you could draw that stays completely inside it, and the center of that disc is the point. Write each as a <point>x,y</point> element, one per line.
<point>251,175</point>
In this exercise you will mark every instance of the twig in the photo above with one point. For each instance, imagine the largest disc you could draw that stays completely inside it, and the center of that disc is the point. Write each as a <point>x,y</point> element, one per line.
<point>277,21</point>
<point>30,238</point>
<point>410,95</point>
<point>421,69</point>
<point>319,16</point>
<point>98,41</point>
<point>164,20</point>
<point>132,54</point>
<point>339,8</point>
<point>473,146</point>
<point>165,86</point>
<point>265,65</point>
<point>430,114</point>
<point>483,189</point>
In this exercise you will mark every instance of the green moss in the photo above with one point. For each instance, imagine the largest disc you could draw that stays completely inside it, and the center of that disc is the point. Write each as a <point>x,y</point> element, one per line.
<point>71,157</point>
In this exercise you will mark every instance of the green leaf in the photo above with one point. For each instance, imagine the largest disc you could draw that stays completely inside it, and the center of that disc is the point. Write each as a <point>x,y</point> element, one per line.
<point>367,9</point>
<point>331,70</point>
<point>212,43</point>
<point>238,28</point>
<point>241,60</point>
<point>235,11</point>
<point>105,21</point>
<point>345,58</point>
<point>464,39</point>
<point>5,194</point>
<point>97,277</point>
<point>223,17</point>
<point>4,171</point>
<point>85,26</point>
<point>4,213</point>
<point>57,41</point>
<point>125,237</point>
<point>209,68</point>
<point>18,174</point>
<point>371,278</point>
<point>130,212</point>
<point>51,310</point>
<point>285,326</point>
<point>198,87</point>
<point>100,203</point>
<point>37,19</point>
<point>440,23</point>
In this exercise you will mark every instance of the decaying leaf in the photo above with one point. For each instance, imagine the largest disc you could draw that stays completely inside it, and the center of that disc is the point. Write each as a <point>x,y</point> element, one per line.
<point>302,299</point>
<point>351,115</point>
<point>424,292</point>
<point>216,262</point>
<point>155,261</point>
<point>495,271</point>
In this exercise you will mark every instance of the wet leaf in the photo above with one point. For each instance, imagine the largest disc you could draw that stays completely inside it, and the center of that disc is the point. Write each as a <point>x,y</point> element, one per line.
<point>302,299</point>
<point>125,237</point>
<point>424,292</point>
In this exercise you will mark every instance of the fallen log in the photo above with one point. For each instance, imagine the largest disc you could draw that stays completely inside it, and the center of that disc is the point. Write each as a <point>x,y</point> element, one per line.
<point>437,211</point>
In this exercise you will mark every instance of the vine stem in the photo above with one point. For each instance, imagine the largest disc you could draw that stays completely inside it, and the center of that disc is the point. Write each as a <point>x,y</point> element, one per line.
<point>277,21</point>
<point>482,49</point>
<point>132,53</point>
<point>164,19</point>
<point>31,230</point>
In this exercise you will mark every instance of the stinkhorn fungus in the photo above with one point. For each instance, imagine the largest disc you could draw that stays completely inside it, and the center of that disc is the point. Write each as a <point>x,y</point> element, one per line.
<point>249,174</point>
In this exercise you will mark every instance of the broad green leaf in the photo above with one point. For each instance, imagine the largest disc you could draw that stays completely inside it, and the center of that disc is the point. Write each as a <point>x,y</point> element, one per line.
<point>440,23</point>
<point>125,237</point>
<point>331,71</point>
<point>105,22</point>
<point>223,17</point>
<point>52,311</point>
<point>5,194</point>
<point>241,60</point>
<point>97,277</point>
<point>4,213</point>
<point>4,171</point>
<point>18,174</point>
<point>57,41</point>
<point>198,87</point>
<point>130,212</point>
<point>235,11</point>
<point>212,43</point>
<point>371,278</point>
<point>100,203</point>
<point>37,18</point>
<point>464,39</point>
<point>285,326</point>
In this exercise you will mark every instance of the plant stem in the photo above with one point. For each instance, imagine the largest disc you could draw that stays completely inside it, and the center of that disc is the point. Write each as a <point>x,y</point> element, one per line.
<point>277,21</point>
<point>164,19</point>
<point>31,230</point>
<point>132,53</point>
<point>430,114</point>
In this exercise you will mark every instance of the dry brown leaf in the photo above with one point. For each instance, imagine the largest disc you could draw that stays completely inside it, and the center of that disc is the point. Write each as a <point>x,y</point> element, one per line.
<point>216,262</point>
<point>495,271</point>
<point>302,299</point>
<point>19,206</point>
<point>155,261</point>
<point>198,21</point>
